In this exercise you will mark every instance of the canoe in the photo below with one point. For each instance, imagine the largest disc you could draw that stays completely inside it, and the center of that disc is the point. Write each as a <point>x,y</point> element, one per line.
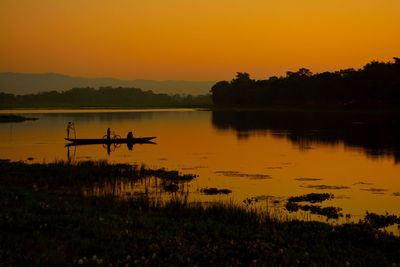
<point>135,140</point>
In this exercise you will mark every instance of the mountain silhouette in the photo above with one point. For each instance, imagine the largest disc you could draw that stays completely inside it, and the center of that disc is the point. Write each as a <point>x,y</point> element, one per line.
<point>26,83</point>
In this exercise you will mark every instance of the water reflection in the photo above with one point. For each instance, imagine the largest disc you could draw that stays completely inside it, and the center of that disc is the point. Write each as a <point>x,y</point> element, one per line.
<point>376,133</point>
<point>263,158</point>
<point>109,147</point>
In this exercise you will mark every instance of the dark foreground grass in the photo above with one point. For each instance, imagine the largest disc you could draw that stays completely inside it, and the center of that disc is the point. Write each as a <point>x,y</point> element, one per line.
<point>39,226</point>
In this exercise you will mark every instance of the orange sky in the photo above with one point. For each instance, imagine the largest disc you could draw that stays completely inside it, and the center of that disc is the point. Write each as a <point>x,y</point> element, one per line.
<point>194,39</point>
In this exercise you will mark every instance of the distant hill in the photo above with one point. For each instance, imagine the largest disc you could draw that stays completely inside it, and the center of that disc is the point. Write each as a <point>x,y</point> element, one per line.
<point>24,83</point>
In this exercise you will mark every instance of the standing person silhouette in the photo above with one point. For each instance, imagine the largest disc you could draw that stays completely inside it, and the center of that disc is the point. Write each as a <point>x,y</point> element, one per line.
<point>70,126</point>
<point>108,134</point>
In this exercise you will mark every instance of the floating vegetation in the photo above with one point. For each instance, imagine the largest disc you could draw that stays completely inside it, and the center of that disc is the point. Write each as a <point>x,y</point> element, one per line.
<point>271,199</point>
<point>330,212</point>
<point>307,179</point>
<point>194,168</point>
<point>256,176</point>
<point>165,175</point>
<point>362,183</point>
<point>326,187</point>
<point>227,173</point>
<point>312,198</point>
<point>200,155</point>
<point>374,190</point>
<point>342,197</point>
<point>215,191</point>
<point>245,175</point>
<point>380,221</point>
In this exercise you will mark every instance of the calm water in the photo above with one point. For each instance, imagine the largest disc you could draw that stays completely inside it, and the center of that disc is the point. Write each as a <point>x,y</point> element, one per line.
<point>257,155</point>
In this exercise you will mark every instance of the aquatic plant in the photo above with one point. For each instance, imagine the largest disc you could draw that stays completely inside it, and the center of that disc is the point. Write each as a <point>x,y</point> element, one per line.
<point>380,221</point>
<point>307,179</point>
<point>312,197</point>
<point>215,191</point>
<point>374,190</point>
<point>330,212</point>
<point>245,175</point>
<point>327,187</point>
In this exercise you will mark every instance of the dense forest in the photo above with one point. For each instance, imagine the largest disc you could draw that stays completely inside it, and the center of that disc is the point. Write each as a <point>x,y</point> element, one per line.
<point>376,85</point>
<point>103,97</point>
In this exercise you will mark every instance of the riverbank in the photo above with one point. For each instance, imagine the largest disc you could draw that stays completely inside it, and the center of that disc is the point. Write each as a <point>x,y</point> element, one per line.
<point>48,219</point>
<point>297,109</point>
<point>274,108</point>
<point>14,118</point>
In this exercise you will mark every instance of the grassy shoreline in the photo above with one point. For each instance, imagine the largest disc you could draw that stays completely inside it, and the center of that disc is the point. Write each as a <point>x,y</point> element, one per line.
<point>46,219</point>
<point>14,118</point>
<point>287,109</point>
<point>103,107</point>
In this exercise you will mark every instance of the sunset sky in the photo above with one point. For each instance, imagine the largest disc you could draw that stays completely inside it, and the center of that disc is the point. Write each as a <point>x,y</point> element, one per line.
<point>194,39</point>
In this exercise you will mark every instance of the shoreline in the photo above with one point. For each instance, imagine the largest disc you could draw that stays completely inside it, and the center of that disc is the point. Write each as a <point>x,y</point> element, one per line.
<point>14,118</point>
<point>273,109</point>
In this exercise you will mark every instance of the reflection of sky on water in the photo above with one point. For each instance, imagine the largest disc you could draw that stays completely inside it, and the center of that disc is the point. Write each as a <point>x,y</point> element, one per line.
<point>275,155</point>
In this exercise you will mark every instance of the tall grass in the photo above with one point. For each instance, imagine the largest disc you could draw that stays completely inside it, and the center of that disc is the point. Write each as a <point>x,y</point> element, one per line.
<point>80,176</point>
<point>46,219</point>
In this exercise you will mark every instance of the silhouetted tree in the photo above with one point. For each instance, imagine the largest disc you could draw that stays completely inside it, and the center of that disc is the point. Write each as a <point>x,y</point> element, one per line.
<point>220,93</point>
<point>377,84</point>
<point>105,96</point>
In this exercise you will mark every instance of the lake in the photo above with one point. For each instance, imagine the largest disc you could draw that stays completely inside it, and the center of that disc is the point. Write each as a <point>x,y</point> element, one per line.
<point>263,157</point>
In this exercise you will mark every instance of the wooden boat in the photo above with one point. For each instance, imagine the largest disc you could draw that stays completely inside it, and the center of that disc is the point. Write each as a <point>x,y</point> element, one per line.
<point>135,140</point>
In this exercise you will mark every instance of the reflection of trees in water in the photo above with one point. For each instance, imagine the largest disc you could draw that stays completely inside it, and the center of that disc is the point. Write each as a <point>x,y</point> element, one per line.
<point>104,116</point>
<point>377,133</point>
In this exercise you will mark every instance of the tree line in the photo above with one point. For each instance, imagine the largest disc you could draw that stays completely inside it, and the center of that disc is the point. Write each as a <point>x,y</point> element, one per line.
<point>375,85</point>
<point>102,97</point>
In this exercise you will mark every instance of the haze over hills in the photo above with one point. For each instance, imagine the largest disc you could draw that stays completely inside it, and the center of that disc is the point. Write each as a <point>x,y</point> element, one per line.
<point>26,83</point>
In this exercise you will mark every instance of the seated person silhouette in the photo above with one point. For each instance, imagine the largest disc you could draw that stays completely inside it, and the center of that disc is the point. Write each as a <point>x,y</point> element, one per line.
<point>129,137</point>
